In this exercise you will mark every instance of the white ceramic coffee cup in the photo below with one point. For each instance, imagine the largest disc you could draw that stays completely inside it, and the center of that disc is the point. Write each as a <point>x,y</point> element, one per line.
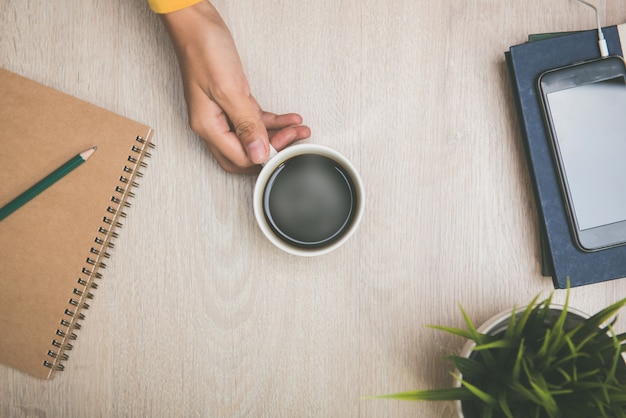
<point>275,160</point>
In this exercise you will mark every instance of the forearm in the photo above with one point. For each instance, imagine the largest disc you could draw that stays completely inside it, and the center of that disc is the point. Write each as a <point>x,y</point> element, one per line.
<point>206,52</point>
<point>196,27</point>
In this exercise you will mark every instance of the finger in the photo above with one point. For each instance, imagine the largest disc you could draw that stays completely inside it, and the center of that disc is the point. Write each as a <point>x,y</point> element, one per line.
<point>284,137</point>
<point>274,121</point>
<point>231,166</point>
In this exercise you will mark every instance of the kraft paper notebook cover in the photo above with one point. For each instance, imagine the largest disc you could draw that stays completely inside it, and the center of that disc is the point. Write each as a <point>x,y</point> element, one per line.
<point>562,259</point>
<point>53,249</point>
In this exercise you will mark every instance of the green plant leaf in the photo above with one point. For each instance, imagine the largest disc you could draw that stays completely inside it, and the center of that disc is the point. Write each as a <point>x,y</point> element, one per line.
<point>478,337</point>
<point>517,365</point>
<point>544,349</point>
<point>567,378</point>
<point>480,394</point>
<point>449,394</point>
<point>554,334</point>
<point>468,367</point>
<point>521,321</point>
<point>504,405</point>
<point>495,344</point>
<point>591,325</point>
<point>546,400</point>
<point>454,331</point>
<point>524,393</point>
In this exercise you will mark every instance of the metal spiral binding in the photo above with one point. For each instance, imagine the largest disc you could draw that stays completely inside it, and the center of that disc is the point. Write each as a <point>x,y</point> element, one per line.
<point>105,233</point>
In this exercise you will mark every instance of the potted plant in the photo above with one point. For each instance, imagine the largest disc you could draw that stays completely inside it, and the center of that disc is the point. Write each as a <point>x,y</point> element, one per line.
<point>541,361</point>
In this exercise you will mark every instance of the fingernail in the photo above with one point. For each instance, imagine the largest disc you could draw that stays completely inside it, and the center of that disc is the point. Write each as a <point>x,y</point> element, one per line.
<point>257,152</point>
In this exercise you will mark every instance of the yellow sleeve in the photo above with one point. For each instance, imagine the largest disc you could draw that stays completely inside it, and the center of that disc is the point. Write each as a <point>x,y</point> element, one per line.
<point>167,6</point>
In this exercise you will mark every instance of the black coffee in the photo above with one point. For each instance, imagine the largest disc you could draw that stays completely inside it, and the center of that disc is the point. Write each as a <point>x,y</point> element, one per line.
<point>309,201</point>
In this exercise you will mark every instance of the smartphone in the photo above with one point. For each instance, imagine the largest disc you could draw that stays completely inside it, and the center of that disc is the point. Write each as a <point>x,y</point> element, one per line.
<point>585,112</point>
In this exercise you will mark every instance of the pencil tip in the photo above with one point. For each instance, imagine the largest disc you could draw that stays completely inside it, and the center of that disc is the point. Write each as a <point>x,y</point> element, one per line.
<point>85,155</point>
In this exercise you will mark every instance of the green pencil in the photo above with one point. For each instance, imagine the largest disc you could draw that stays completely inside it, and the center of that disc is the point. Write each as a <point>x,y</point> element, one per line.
<point>46,182</point>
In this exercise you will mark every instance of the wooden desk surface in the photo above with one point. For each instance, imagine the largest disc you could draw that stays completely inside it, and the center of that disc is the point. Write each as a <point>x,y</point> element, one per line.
<point>198,314</point>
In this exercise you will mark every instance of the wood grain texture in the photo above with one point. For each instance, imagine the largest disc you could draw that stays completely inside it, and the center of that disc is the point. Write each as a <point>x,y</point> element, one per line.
<point>197,314</point>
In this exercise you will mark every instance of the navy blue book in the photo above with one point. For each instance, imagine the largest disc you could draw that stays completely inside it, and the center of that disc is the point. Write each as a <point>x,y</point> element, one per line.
<point>562,259</point>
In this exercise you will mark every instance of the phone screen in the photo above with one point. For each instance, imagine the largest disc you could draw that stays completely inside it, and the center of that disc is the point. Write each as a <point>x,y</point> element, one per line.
<point>590,125</point>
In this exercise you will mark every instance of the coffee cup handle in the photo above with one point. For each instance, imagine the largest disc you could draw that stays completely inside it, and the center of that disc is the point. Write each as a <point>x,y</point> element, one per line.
<point>273,152</point>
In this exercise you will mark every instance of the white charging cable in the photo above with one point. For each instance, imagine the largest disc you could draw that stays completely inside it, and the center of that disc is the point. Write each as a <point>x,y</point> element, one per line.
<point>604,49</point>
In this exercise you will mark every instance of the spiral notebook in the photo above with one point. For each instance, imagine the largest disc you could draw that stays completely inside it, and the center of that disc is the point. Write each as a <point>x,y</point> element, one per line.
<point>54,248</point>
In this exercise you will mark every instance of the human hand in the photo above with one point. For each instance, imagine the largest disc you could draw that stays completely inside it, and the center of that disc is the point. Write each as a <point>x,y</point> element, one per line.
<point>221,107</point>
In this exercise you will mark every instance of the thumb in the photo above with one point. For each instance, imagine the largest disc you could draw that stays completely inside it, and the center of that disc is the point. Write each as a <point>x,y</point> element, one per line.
<point>245,115</point>
<point>251,131</point>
